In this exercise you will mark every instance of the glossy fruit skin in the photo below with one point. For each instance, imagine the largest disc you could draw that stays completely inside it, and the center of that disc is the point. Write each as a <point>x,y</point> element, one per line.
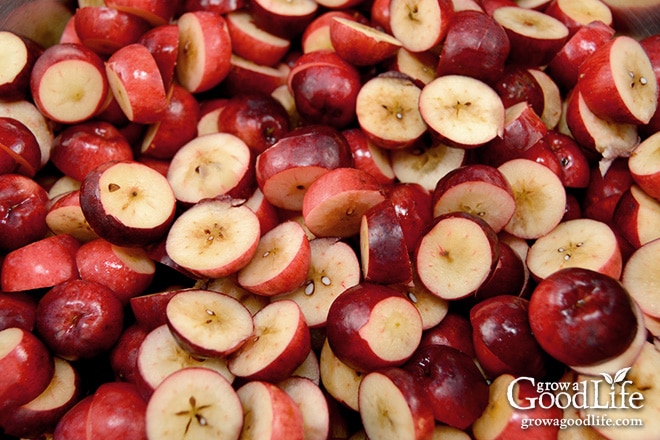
<point>582,317</point>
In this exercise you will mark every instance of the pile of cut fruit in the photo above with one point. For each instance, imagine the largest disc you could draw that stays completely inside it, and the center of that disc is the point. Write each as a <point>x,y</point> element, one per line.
<point>329,219</point>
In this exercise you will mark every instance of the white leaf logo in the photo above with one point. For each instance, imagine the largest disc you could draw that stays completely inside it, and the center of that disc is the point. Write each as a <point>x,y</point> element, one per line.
<point>618,377</point>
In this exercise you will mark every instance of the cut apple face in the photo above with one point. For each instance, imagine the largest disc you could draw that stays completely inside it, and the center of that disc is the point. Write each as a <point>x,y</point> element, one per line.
<point>280,262</point>
<point>207,323</point>
<point>540,198</point>
<point>208,166</point>
<point>127,203</point>
<point>453,264</point>
<point>194,402</point>
<point>464,111</point>
<point>387,110</point>
<point>426,164</point>
<point>639,277</point>
<point>420,25</point>
<point>576,243</point>
<point>214,238</point>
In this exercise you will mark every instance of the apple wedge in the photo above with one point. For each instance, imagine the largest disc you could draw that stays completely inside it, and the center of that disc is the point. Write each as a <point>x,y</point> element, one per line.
<point>464,111</point>
<point>280,343</point>
<point>214,238</point>
<point>194,402</point>
<point>540,198</point>
<point>388,112</point>
<point>576,14</point>
<point>580,242</point>
<point>456,255</point>
<point>637,216</point>
<point>333,268</point>
<point>207,323</point>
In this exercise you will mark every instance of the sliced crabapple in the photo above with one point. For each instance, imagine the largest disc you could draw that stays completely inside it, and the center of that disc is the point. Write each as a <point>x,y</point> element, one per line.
<point>579,302</point>
<point>563,67</point>
<point>285,171</point>
<point>618,83</point>
<point>431,307</point>
<point>637,216</point>
<point>128,271</point>
<point>580,242</point>
<point>208,166</point>
<point>452,264</point>
<point>160,355</point>
<point>65,216</point>
<point>214,238</point>
<point>194,402</point>
<point>361,44</point>
<point>540,198</point>
<point>280,262</point>
<point>269,412</point>
<point>607,139</point>
<point>316,35</point>
<point>384,254</point>
<point>252,42</point>
<point>280,343</point>
<point>42,413</point>
<point>176,127</point>
<point>462,110</point>
<point>335,202</point>
<point>510,275</point>
<point>552,98</point>
<point>334,267</point>
<point>535,37</point>
<point>420,25</point>
<point>207,323</point>
<point>20,54</point>
<point>68,83</point>
<point>420,66</point>
<point>426,162</point>
<point>388,112</point>
<point>204,59</point>
<point>149,308</point>
<point>575,167</point>
<point>127,203</point>
<point>28,113</point>
<point>313,406</point>
<point>309,368</point>
<point>106,29</point>
<point>413,206</point>
<point>287,19</point>
<point>576,14</point>
<point>639,277</point>
<point>373,326</point>
<point>393,405</point>
<point>643,166</point>
<point>478,189</point>
<point>43,263</point>
<point>368,156</point>
<point>136,83</point>
<point>244,76</point>
<point>340,380</point>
